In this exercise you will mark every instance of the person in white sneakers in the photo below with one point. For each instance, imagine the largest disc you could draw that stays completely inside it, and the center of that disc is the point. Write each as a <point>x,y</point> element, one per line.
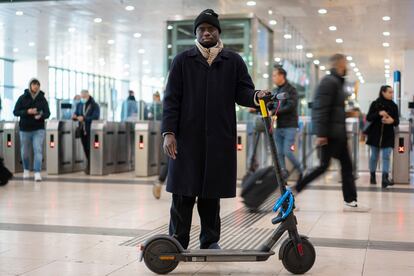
<point>32,108</point>
<point>328,119</point>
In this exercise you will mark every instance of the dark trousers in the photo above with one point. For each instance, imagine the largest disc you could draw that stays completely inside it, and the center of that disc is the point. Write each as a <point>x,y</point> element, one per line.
<point>163,171</point>
<point>337,150</point>
<point>181,216</point>
<point>86,144</point>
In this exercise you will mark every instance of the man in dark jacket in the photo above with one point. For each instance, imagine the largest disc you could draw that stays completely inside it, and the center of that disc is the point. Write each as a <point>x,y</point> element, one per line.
<point>199,129</point>
<point>86,111</point>
<point>287,120</point>
<point>32,108</point>
<point>328,119</point>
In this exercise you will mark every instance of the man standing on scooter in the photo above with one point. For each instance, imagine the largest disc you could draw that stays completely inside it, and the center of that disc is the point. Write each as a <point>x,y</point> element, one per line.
<point>328,119</point>
<point>199,129</point>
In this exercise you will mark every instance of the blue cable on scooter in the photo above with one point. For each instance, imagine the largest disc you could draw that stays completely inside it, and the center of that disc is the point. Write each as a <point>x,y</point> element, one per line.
<point>279,205</point>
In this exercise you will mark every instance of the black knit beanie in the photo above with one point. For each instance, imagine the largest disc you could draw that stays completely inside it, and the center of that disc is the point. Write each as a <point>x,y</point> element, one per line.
<point>207,16</point>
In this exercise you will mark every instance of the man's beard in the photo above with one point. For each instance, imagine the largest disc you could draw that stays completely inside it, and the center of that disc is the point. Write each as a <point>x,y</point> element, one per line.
<point>208,44</point>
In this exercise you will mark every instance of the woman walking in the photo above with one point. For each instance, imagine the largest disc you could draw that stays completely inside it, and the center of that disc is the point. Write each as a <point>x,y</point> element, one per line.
<point>382,117</point>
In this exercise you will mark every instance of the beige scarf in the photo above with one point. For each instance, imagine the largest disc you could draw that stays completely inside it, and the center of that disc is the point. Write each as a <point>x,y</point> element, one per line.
<point>210,54</point>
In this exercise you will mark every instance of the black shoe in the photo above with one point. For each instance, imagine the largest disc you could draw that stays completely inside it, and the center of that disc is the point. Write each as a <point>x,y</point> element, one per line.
<point>214,245</point>
<point>373,179</point>
<point>385,181</point>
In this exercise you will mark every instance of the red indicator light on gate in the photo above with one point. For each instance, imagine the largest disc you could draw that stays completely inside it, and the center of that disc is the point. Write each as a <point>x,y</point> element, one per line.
<point>96,145</point>
<point>401,150</point>
<point>239,147</point>
<point>292,148</point>
<point>141,145</point>
<point>9,144</point>
<point>52,144</point>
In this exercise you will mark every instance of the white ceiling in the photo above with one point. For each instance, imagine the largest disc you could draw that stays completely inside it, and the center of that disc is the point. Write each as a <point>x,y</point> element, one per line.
<point>359,24</point>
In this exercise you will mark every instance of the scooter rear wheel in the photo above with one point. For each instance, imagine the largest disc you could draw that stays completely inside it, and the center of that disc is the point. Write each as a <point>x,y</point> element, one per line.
<point>295,263</point>
<point>154,250</point>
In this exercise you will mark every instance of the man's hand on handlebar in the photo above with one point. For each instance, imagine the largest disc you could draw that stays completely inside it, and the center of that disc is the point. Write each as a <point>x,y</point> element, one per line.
<point>170,146</point>
<point>264,94</point>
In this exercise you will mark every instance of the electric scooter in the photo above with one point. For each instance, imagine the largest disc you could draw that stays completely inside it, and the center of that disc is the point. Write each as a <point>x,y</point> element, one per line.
<point>162,253</point>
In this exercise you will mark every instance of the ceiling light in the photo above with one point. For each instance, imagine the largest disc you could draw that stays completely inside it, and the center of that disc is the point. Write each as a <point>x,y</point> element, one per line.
<point>287,36</point>
<point>386,18</point>
<point>332,28</point>
<point>327,72</point>
<point>31,44</point>
<point>349,58</point>
<point>322,11</point>
<point>339,40</point>
<point>47,57</point>
<point>19,13</point>
<point>97,20</point>
<point>362,81</point>
<point>15,50</point>
<point>387,71</point>
<point>111,41</point>
<point>145,62</point>
<point>352,64</point>
<point>71,30</point>
<point>356,69</point>
<point>386,60</point>
<point>270,12</point>
<point>359,74</point>
<point>386,33</point>
<point>387,76</point>
<point>126,66</point>
<point>137,35</point>
<point>266,63</point>
<point>385,44</point>
<point>387,66</point>
<point>272,22</point>
<point>170,27</point>
<point>323,68</point>
<point>141,51</point>
<point>316,62</point>
<point>265,76</point>
<point>278,59</point>
<point>309,55</point>
<point>251,3</point>
<point>169,46</point>
<point>299,47</point>
<point>129,8</point>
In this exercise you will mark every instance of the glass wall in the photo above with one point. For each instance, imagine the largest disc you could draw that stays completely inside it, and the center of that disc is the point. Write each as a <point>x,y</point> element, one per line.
<point>8,93</point>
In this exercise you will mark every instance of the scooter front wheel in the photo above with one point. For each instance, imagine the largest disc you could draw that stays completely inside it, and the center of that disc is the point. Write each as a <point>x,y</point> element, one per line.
<point>293,261</point>
<point>153,256</point>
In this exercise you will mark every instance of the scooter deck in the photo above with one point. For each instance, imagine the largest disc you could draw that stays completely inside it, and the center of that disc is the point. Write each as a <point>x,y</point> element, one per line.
<point>223,255</point>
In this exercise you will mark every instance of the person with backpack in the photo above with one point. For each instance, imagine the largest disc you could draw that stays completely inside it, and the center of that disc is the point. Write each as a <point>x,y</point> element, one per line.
<point>382,117</point>
<point>32,108</point>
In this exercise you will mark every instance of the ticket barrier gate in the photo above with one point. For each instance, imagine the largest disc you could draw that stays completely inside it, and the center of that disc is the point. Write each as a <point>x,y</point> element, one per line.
<point>241,147</point>
<point>125,141</point>
<point>1,140</point>
<point>352,131</point>
<point>401,155</point>
<point>62,147</point>
<point>147,148</point>
<point>103,148</point>
<point>11,147</point>
<point>299,150</point>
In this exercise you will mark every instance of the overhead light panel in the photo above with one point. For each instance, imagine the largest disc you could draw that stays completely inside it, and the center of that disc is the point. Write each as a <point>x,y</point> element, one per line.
<point>356,69</point>
<point>358,74</point>
<point>322,11</point>
<point>386,33</point>
<point>170,27</point>
<point>339,40</point>
<point>169,46</point>
<point>111,41</point>
<point>19,13</point>
<point>299,47</point>
<point>349,58</point>
<point>352,64</point>
<point>309,55</point>
<point>323,68</point>
<point>97,20</point>
<point>386,60</point>
<point>272,22</point>
<point>316,62</point>
<point>270,12</point>
<point>137,35</point>
<point>387,71</point>
<point>332,28</point>
<point>386,18</point>
<point>385,44</point>
<point>47,57</point>
<point>277,59</point>
<point>31,44</point>
<point>387,66</point>
<point>71,30</point>
<point>15,50</point>
<point>251,3</point>
<point>129,8</point>
<point>141,51</point>
<point>287,36</point>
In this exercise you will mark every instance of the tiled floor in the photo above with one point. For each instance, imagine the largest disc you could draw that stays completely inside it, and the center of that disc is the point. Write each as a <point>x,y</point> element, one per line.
<point>84,224</point>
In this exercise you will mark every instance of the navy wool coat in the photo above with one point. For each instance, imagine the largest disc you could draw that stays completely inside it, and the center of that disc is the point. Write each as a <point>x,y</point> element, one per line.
<point>199,108</point>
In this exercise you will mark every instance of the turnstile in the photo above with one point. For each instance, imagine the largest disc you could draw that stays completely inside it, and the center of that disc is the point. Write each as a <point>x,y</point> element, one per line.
<point>147,148</point>
<point>401,154</point>
<point>103,148</point>
<point>59,146</point>
<point>352,130</point>
<point>11,147</point>
<point>125,142</point>
<point>78,153</point>
<point>241,146</point>
<point>1,139</point>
